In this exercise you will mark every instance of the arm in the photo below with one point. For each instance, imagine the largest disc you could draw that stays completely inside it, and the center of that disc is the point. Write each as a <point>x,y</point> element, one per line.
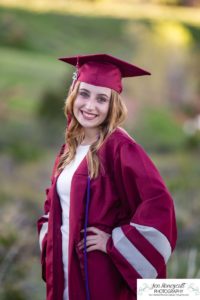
<point>141,248</point>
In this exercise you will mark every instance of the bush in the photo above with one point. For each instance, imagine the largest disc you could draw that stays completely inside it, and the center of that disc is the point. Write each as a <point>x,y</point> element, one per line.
<point>158,131</point>
<point>13,293</point>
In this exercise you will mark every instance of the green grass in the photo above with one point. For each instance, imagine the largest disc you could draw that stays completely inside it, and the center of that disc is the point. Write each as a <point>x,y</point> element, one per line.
<point>24,77</point>
<point>18,65</point>
<point>54,33</point>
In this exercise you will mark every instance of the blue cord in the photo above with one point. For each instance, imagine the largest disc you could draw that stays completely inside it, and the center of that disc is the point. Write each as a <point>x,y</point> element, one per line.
<point>85,238</point>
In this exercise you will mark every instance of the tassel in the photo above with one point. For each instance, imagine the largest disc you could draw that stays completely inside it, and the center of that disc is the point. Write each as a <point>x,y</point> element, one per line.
<point>75,74</point>
<point>85,238</point>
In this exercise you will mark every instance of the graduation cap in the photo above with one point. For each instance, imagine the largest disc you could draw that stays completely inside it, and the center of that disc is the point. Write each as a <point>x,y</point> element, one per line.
<point>102,70</point>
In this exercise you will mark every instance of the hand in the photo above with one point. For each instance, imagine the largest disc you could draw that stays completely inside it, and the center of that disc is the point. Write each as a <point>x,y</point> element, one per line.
<point>95,242</point>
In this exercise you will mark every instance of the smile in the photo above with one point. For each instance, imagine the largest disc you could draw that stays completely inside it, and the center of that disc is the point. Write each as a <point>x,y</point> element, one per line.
<point>88,116</point>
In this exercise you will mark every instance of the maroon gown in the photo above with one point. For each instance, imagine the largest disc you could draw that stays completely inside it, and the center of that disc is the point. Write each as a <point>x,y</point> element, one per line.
<point>128,200</point>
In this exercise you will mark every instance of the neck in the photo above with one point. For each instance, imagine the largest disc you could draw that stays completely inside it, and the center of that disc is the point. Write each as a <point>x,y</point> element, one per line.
<point>91,135</point>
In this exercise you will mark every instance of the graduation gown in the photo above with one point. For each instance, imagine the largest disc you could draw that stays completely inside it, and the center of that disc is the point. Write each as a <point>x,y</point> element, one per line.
<point>128,200</point>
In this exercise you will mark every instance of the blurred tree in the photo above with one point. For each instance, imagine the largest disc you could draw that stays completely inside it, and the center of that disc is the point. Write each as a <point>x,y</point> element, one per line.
<point>50,112</point>
<point>52,102</point>
<point>13,293</point>
<point>12,31</point>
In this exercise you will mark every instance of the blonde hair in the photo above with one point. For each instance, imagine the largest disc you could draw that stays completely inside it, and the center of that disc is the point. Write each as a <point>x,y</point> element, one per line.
<point>75,132</point>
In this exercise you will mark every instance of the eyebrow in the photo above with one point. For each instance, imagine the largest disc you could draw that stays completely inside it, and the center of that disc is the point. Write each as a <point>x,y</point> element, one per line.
<point>85,90</point>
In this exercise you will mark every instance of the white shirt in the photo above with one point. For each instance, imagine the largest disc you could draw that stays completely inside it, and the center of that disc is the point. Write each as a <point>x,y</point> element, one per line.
<point>63,189</point>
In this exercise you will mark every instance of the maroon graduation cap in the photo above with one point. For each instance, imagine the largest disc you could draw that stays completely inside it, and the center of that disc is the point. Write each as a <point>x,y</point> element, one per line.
<point>102,70</point>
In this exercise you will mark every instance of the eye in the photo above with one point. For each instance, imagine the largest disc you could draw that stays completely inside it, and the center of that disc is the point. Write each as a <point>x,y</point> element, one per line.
<point>83,94</point>
<point>101,100</point>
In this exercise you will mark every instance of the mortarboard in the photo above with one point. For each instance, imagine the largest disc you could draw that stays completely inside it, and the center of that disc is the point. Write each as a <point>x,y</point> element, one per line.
<point>102,70</point>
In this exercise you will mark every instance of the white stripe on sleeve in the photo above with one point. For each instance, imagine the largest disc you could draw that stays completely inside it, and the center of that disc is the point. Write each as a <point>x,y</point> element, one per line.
<point>133,255</point>
<point>43,230</point>
<point>46,216</point>
<point>156,238</point>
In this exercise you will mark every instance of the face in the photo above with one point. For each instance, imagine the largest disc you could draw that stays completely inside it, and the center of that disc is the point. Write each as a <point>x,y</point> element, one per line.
<point>91,105</point>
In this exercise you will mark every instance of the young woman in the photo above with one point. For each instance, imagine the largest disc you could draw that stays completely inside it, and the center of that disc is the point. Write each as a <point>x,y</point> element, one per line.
<point>109,218</point>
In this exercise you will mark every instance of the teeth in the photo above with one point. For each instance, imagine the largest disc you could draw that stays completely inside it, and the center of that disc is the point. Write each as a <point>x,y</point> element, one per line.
<point>88,114</point>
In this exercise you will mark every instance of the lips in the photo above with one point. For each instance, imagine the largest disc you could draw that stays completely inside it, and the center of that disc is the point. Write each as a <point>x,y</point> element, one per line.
<point>88,116</point>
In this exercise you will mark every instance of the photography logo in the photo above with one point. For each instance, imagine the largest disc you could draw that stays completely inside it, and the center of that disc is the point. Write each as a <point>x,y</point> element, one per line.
<point>168,289</point>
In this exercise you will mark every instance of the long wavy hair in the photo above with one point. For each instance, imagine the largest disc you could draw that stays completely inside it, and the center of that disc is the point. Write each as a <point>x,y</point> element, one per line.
<point>74,134</point>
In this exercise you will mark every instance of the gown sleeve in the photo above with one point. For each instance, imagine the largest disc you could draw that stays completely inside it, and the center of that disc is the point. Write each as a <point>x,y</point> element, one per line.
<point>142,247</point>
<point>42,222</point>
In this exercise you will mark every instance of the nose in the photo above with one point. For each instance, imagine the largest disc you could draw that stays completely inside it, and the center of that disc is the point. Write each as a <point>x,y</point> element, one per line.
<point>90,104</point>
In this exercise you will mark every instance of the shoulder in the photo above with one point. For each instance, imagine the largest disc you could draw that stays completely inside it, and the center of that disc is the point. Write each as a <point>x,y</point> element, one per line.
<point>126,149</point>
<point>123,135</point>
<point>120,139</point>
<point>122,147</point>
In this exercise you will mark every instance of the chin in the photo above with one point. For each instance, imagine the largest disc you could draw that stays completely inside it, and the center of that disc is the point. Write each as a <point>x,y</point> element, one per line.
<point>88,124</point>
